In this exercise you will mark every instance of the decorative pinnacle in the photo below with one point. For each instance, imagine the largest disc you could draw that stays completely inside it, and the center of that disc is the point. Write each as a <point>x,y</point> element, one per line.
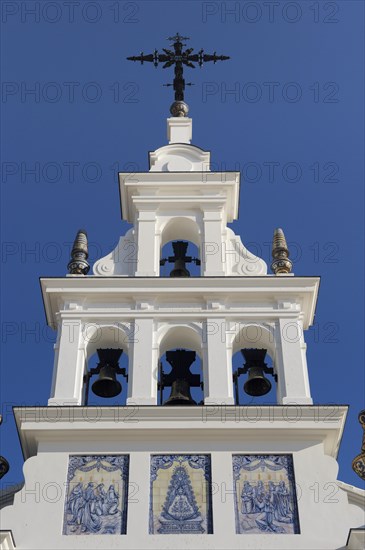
<point>78,264</point>
<point>178,57</point>
<point>4,464</point>
<point>358,464</point>
<point>280,253</point>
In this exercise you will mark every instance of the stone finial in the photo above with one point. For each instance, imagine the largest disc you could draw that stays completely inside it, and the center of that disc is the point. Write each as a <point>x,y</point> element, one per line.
<point>4,464</point>
<point>78,264</point>
<point>179,109</point>
<point>280,253</point>
<point>358,464</point>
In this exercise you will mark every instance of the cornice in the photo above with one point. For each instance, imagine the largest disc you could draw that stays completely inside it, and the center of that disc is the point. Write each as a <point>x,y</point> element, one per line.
<point>355,494</point>
<point>155,188</point>
<point>293,424</point>
<point>261,296</point>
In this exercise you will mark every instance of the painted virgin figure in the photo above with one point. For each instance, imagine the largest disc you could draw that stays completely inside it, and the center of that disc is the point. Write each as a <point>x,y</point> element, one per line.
<point>180,508</point>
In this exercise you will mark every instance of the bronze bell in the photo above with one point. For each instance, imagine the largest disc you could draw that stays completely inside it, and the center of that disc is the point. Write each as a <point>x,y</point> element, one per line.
<point>180,248</point>
<point>107,384</point>
<point>257,384</point>
<point>180,378</point>
<point>180,394</point>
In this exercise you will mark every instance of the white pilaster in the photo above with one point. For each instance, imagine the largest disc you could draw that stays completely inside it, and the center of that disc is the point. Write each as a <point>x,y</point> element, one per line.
<point>217,364</point>
<point>69,365</point>
<point>147,253</point>
<point>212,244</point>
<point>143,363</point>
<point>291,366</point>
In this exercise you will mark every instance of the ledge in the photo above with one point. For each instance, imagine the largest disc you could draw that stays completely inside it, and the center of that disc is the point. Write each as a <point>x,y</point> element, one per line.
<point>212,424</point>
<point>263,291</point>
<point>6,540</point>
<point>356,539</point>
<point>178,186</point>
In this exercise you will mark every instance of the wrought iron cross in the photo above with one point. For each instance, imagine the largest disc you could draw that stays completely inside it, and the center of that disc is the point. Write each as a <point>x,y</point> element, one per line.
<point>179,57</point>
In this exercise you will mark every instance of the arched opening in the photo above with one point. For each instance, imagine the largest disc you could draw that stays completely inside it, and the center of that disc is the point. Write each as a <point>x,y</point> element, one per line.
<point>106,366</point>
<point>180,373</point>
<point>253,362</point>
<point>180,248</point>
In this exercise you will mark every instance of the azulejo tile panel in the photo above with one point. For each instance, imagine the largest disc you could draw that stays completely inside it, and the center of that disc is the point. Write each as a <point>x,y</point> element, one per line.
<point>265,498</point>
<point>96,495</point>
<point>180,497</point>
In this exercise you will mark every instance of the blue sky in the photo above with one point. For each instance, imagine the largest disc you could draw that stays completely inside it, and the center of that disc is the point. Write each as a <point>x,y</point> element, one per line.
<point>286,110</point>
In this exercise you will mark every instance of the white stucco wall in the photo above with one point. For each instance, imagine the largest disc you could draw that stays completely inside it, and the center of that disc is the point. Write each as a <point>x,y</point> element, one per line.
<point>36,518</point>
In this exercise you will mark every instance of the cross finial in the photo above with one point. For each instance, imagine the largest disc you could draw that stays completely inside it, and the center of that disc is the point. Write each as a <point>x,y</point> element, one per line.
<point>178,38</point>
<point>178,57</point>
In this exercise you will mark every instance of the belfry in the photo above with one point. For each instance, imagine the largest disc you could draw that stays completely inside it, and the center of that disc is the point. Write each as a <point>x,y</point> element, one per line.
<point>152,438</point>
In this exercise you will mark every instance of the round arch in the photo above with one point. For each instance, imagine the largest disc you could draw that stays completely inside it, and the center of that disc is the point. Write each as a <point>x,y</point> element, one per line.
<point>98,336</point>
<point>181,228</point>
<point>180,337</point>
<point>254,335</point>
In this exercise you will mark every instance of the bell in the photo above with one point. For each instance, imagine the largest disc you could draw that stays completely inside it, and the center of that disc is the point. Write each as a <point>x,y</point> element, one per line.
<point>180,378</point>
<point>107,384</point>
<point>180,270</point>
<point>257,384</point>
<point>180,248</point>
<point>180,394</point>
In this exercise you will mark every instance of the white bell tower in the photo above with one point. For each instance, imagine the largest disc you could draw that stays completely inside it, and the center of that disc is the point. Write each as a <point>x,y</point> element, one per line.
<point>222,474</point>
<point>233,305</point>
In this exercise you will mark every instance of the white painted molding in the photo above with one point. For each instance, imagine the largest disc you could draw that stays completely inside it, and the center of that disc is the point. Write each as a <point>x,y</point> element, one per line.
<point>115,297</point>
<point>122,261</point>
<point>179,157</point>
<point>169,191</point>
<point>7,540</point>
<point>315,424</point>
<point>356,539</point>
